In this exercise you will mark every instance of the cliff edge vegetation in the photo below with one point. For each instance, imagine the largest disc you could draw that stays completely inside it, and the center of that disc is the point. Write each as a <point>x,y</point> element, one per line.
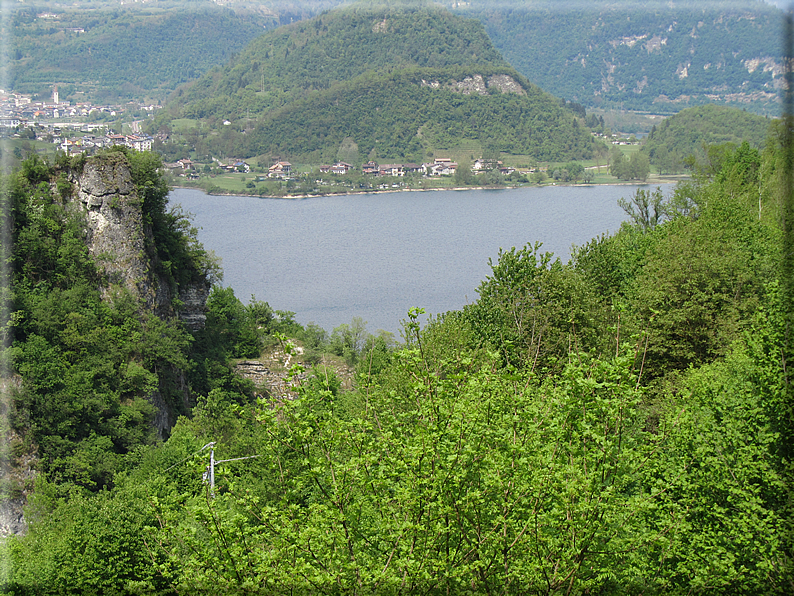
<point>100,272</point>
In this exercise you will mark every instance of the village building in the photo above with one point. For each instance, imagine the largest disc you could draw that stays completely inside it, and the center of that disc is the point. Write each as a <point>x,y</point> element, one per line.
<point>481,165</point>
<point>341,168</point>
<point>137,142</point>
<point>280,169</point>
<point>370,168</point>
<point>442,166</point>
<point>391,170</point>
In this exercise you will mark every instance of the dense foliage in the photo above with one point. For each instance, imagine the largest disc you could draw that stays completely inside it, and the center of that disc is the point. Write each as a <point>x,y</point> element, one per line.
<point>283,65</point>
<point>396,115</point>
<point>635,167</point>
<point>692,131</point>
<point>612,425</point>
<point>90,364</point>
<point>383,79</point>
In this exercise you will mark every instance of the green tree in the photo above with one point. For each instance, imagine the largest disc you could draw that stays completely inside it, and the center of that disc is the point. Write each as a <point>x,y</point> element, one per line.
<point>463,174</point>
<point>617,164</point>
<point>723,445</point>
<point>701,281</point>
<point>348,340</point>
<point>94,544</point>
<point>532,309</point>
<point>575,170</point>
<point>639,167</point>
<point>231,325</point>
<point>646,209</point>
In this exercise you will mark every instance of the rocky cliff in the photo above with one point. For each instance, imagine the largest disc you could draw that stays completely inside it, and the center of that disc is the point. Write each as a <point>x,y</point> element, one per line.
<point>117,237</point>
<point>127,234</point>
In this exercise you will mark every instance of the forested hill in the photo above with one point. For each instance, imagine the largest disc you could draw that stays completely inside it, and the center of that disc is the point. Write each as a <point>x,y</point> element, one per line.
<point>399,82</point>
<point>649,55</point>
<point>282,65</point>
<point>692,130</point>
<point>408,113</point>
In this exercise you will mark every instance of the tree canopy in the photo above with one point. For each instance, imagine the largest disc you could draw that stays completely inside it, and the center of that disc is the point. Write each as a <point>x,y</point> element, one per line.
<point>693,130</point>
<point>615,424</point>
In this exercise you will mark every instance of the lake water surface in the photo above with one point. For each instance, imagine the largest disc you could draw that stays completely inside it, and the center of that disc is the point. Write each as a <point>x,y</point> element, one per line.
<point>330,259</point>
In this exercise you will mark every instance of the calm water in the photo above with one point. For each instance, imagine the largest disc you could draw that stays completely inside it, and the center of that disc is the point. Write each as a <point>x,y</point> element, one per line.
<point>330,259</point>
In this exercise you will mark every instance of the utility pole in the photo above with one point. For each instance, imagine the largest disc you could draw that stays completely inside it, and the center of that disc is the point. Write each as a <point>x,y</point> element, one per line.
<point>209,474</point>
<point>212,470</point>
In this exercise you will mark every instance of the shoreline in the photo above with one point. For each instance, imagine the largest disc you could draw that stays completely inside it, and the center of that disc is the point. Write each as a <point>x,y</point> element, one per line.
<point>653,182</point>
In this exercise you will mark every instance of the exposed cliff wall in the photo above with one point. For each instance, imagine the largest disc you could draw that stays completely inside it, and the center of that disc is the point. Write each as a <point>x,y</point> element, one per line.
<point>117,238</point>
<point>104,356</point>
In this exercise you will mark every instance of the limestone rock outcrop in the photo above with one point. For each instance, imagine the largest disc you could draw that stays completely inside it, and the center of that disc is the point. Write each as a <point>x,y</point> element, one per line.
<point>117,239</point>
<point>478,85</point>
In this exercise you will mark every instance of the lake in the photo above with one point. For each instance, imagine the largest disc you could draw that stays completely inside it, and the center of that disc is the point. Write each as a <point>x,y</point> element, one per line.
<point>330,259</point>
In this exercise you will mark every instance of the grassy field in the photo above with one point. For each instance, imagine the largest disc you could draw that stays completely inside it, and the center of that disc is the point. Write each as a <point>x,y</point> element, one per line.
<point>629,122</point>
<point>184,124</point>
<point>14,150</point>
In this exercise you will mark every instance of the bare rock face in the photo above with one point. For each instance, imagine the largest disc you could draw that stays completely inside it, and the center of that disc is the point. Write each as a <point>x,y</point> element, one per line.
<point>479,86</point>
<point>12,517</point>
<point>469,85</point>
<point>116,237</point>
<point>194,303</point>
<point>506,84</point>
<point>17,469</point>
<point>117,240</point>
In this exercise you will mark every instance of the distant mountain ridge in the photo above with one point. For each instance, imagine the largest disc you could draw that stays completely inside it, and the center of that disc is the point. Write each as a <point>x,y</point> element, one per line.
<point>145,52</point>
<point>653,55</point>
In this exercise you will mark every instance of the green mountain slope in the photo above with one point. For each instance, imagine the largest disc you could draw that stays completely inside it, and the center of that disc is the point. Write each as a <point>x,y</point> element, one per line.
<point>284,64</point>
<point>400,81</point>
<point>112,53</point>
<point>408,113</point>
<point>654,55</point>
<point>649,55</point>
